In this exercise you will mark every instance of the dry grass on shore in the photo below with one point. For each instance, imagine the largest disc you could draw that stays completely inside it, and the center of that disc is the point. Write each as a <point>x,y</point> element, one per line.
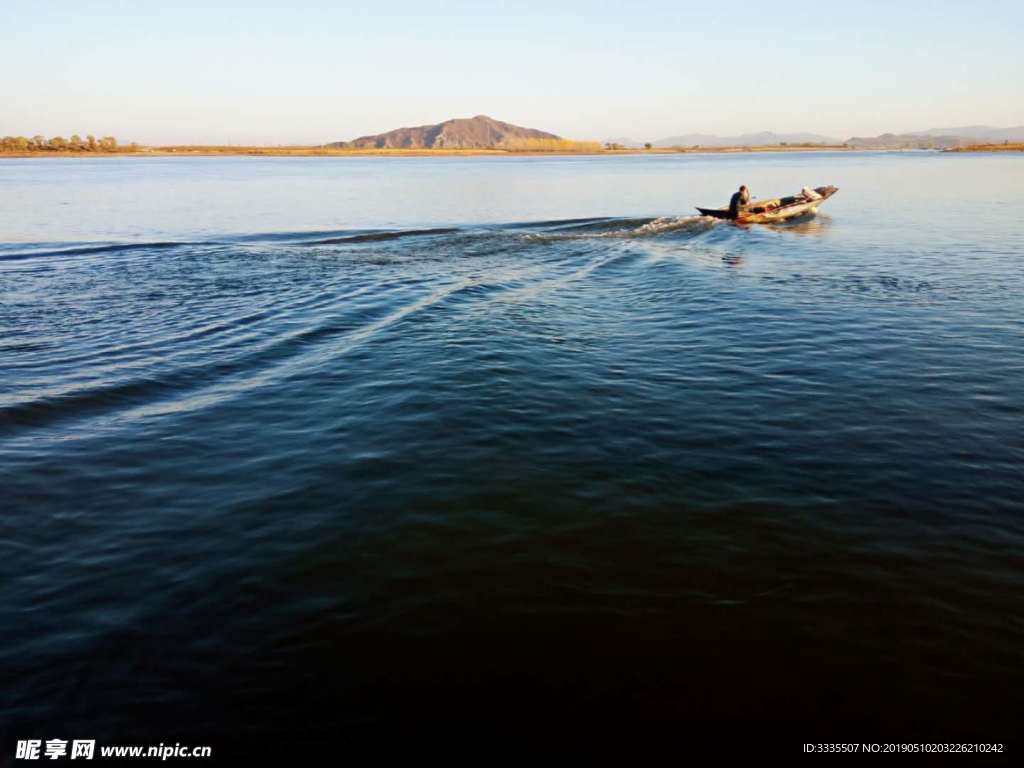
<point>549,145</point>
<point>1005,147</point>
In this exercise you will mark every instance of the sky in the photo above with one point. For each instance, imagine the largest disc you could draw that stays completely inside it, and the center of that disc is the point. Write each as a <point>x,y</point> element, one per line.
<point>313,71</point>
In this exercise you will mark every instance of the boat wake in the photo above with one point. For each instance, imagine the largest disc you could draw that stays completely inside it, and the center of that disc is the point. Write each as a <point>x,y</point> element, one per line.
<point>666,224</point>
<point>566,229</point>
<point>630,228</point>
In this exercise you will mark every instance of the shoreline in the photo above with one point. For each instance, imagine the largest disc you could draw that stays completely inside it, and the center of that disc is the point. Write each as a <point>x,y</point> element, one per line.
<point>201,151</point>
<point>245,151</point>
<point>1017,147</point>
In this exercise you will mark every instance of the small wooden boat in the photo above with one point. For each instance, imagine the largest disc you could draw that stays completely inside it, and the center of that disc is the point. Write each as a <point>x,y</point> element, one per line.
<point>778,209</point>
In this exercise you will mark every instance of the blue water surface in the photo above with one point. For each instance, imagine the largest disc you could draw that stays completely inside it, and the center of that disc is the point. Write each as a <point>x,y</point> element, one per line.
<point>345,448</point>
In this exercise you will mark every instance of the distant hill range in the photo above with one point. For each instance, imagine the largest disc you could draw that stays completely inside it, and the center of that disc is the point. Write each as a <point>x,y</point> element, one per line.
<point>744,140</point>
<point>941,138</point>
<point>933,138</point>
<point>480,132</point>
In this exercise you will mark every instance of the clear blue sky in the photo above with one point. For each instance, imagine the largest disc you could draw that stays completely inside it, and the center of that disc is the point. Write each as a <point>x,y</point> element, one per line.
<point>316,70</point>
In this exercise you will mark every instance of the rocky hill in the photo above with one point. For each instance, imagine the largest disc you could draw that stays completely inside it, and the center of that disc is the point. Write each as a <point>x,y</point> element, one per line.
<point>480,132</point>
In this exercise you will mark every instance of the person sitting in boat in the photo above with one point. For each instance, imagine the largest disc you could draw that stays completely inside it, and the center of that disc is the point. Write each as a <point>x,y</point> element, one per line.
<point>810,194</point>
<point>739,201</point>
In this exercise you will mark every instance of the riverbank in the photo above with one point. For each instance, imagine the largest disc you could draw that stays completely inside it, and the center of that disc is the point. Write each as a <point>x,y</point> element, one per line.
<point>1019,147</point>
<point>219,151</point>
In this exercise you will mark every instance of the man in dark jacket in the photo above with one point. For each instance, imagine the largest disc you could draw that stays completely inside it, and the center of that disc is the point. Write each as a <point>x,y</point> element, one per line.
<point>738,201</point>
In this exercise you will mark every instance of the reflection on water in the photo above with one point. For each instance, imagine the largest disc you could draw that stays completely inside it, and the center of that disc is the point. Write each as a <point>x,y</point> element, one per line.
<point>810,224</point>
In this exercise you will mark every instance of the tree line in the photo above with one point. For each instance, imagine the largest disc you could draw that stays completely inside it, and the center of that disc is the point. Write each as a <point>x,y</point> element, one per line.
<point>59,144</point>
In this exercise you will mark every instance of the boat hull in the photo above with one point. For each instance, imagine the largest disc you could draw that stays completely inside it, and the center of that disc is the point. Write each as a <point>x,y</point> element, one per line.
<point>777,209</point>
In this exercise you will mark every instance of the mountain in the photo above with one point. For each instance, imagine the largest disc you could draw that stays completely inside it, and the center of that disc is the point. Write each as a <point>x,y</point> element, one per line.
<point>940,138</point>
<point>745,140</point>
<point>933,138</point>
<point>979,133</point>
<point>905,141</point>
<point>478,132</point>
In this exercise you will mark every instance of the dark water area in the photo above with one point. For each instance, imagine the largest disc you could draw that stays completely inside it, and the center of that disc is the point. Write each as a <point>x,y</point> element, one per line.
<point>499,458</point>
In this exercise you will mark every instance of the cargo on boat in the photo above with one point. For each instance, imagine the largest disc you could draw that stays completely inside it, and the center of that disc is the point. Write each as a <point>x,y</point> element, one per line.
<point>777,209</point>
